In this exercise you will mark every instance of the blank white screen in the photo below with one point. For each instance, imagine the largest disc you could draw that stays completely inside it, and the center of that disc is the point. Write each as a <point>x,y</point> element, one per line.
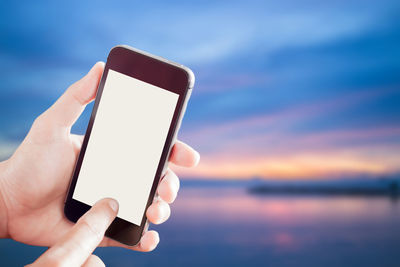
<point>125,145</point>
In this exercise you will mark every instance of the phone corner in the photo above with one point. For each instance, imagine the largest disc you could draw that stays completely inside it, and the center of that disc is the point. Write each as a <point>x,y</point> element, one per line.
<point>67,213</point>
<point>116,48</point>
<point>190,76</point>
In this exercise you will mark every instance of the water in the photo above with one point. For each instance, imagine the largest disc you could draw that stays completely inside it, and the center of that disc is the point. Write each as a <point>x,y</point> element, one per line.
<point>217,226</point>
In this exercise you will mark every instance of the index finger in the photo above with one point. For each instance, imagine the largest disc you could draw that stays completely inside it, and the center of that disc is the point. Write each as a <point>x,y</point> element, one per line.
<point>184,155</point>
<point>79,243</point>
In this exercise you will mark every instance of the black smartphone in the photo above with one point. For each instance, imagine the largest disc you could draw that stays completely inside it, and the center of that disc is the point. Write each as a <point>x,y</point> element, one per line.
<point>137,113</point>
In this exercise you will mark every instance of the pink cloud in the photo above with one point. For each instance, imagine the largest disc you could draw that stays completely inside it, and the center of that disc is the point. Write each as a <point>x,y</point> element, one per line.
<point>265,146</point>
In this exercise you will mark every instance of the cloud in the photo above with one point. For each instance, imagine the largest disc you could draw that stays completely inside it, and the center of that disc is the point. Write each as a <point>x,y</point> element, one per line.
<point>270,146</point>
<point>283,119</point>
<point>335,162</point>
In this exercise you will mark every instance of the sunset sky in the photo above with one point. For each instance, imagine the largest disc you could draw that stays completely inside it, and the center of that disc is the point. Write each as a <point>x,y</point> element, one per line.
<point>283,89</point>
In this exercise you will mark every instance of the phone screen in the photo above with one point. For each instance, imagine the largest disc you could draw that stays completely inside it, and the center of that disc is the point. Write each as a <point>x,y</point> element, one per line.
<point>125,145</point>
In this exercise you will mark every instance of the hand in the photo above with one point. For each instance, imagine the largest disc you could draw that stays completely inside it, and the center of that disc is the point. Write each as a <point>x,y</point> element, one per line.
<point>34,181</point>
<point>75,248</point>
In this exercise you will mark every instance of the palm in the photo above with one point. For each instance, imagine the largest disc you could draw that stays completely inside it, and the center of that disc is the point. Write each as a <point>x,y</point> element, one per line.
<point>36,215</point>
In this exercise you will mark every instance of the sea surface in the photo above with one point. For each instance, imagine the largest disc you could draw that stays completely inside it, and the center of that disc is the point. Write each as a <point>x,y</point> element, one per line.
<point>227,226</point>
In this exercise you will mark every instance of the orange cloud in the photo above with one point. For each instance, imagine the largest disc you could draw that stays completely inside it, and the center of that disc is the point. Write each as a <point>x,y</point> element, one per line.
<point>299,165</point>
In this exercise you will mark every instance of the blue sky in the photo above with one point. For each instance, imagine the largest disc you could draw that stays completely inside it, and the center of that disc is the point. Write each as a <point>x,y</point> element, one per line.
<point>291,90</point>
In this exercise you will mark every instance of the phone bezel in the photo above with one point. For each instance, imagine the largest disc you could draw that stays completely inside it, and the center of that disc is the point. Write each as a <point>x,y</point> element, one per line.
<point>153,70</point>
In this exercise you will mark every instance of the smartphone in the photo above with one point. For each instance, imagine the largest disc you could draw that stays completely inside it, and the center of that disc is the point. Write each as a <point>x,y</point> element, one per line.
<point>137,113</point>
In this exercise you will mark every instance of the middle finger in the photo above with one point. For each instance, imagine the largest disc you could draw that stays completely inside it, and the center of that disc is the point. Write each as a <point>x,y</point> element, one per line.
<point>168,187</point>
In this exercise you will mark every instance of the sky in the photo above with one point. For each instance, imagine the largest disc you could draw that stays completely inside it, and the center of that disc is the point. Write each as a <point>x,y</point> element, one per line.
<point>288,90</point>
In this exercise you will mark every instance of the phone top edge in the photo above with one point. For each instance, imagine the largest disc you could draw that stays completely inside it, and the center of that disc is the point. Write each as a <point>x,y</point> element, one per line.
<point>189,72</point>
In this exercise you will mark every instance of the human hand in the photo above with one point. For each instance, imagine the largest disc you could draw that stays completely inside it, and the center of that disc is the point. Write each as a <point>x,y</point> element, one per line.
<point>34,181</point>
<point>75,248</point>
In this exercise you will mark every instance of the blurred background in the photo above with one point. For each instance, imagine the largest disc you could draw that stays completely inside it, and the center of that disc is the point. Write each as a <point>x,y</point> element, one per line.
<point>296,113</point>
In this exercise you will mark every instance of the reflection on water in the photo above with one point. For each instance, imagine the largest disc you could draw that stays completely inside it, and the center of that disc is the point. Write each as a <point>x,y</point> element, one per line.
<point>217,226</point>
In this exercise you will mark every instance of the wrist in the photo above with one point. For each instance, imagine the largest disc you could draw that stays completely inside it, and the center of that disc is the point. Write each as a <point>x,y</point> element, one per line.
<point>3,207</point>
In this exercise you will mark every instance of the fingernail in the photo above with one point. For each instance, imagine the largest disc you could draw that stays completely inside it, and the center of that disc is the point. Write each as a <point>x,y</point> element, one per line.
<point>197,158</point>
<point>113,204</point>
<point>165,211</point>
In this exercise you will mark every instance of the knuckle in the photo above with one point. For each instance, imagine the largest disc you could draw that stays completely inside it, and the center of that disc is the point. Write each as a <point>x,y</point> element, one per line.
<point>88,227</point>
<point>54,262</point>
<point>43,128</point>
<point>78,99</point>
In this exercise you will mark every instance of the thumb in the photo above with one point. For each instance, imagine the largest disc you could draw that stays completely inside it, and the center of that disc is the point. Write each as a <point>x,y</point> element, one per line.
<point>67,109</point>
<point>76,246</point>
